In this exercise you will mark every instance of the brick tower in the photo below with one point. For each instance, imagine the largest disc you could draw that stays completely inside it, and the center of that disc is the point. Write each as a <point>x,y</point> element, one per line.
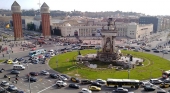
<point>17,22</point>
<point>45,17</point>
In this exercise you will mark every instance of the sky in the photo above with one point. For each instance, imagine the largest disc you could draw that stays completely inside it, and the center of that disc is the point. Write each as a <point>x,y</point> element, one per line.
<point>149,7</point>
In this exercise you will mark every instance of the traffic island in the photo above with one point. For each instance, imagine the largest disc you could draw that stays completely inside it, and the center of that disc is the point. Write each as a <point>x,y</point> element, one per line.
<point>152,66</point>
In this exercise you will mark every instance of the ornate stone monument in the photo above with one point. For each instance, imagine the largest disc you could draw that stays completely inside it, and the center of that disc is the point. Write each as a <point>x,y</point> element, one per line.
<point>109,33</point>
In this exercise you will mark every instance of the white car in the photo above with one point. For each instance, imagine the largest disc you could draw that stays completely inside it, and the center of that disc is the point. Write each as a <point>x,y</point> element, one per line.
<point>85,90</point>
<point>61,83</point>
<point>44,72</point>
<point>146,84</point>
<point>101,81</point>
<point>52,54</point>
<point>15,61</point>
<point>63,78</point>
<point>120,89</point>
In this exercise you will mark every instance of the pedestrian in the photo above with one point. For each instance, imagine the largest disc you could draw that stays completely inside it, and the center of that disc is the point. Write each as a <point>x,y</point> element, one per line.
<point>19,63</point>
<point>3,55</point>
<point>9,78</point>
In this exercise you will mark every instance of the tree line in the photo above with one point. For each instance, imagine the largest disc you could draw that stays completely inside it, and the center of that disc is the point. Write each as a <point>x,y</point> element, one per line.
<point>58,13</point>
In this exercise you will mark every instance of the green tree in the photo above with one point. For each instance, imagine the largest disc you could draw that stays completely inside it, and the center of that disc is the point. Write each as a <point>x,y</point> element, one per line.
<point>28,26</point>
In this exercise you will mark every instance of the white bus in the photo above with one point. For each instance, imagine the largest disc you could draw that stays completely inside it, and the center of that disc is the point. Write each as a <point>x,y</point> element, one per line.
<point>133,83</point>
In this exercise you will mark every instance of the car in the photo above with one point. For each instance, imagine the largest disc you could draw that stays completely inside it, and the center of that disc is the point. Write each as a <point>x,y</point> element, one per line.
<point>61,83</point>
<point>25,61</point>
<point>164,85</point>
<point>33,73</point>
<point>75,79</point>
<point>15,61</point>
<point>4,83</point>
<point>12,88</point>
<point>52,54</point>
<point>94,88</point>
<point>149,88</point>
<point>43,72</point>
<point>74,86</point>
<point>2,70</point>
<point>32,79</point>
<point>101,81</point>
<point>47,55</point>
<point>20,59</point>
<point>120,89</point>
<point>35,61</point>
<point>85,90</point>
<point>62,78</point>
<point>86,81</point>
<point>165,52</point>
<point>156,51</point>
<point>162,91</point>
<point>96,84</point>
<point>15,72</point>
<point>9,61</point>
<point>52,75</point>
<point>145,84</point>
<point>155,81</point>
<point>167,80</point>
<point>3,90</point>
<point>65,76</point>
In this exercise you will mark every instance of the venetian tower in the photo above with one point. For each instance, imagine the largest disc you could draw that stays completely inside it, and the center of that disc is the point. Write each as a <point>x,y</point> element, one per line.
<point>45,17</point>
<point>17,21</point>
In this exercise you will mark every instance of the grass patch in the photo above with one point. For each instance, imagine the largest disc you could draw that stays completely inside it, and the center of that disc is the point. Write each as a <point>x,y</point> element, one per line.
<point>153,66</point>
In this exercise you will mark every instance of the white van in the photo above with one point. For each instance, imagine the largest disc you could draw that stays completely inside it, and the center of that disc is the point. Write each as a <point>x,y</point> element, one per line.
<point>18,67</point>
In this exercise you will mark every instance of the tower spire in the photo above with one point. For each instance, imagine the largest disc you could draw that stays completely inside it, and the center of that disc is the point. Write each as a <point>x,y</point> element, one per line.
<point>39,5</point>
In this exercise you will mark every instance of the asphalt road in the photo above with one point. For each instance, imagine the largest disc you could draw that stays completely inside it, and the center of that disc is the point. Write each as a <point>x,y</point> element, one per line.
<point>46,84</point>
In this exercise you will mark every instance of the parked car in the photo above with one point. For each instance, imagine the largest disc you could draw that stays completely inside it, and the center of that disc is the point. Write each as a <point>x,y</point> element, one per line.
<point>74,86</point>
<point>86,81</point>
<point>75,79</point>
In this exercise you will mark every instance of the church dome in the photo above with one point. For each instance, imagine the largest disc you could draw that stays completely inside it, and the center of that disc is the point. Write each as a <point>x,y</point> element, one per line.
<point>37,17</point>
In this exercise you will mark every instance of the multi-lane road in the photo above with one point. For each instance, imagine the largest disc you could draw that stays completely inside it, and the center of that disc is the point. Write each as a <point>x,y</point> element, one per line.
<point>46,84</point>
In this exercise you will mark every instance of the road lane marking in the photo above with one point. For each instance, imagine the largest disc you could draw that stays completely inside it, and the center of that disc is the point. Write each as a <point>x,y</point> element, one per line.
<point>46,88</point>
<point>35,86</point>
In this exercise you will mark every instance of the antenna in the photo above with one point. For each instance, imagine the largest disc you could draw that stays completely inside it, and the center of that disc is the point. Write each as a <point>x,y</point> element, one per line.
<point>39,5</point>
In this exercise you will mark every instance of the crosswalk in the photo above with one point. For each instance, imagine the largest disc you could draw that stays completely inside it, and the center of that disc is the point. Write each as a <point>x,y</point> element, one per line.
<point>42,83</point>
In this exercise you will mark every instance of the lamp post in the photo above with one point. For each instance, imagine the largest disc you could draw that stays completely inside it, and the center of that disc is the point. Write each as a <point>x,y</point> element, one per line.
<point>29,79</point>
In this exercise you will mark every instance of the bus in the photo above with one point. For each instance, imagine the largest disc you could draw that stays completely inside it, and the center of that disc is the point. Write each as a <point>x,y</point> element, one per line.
<point>36,52</point>
<point>123,82</point>
<point>165,74</point>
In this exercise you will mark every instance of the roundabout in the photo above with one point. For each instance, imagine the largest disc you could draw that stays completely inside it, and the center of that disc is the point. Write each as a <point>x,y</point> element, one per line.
<point>152,66</point>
